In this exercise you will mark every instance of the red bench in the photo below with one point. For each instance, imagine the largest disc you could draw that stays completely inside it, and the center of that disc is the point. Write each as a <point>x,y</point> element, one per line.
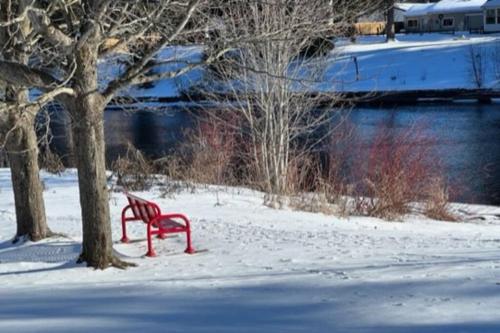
<point>156,222</point>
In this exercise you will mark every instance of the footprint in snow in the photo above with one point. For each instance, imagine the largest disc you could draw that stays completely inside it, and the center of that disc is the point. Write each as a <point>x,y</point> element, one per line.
<point>286,260</point>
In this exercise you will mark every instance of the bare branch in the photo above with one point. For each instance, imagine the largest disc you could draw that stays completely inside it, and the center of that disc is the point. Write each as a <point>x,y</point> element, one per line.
<point>39,102</point>
<point>20,18</point>
<point>43,25</point>
<point>138,68</point>
<point>22,75</point>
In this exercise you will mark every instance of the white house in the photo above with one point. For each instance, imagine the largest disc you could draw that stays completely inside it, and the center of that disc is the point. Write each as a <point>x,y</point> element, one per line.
<point>446,15</point>
<point>400,10</point>
<point>491,10</point>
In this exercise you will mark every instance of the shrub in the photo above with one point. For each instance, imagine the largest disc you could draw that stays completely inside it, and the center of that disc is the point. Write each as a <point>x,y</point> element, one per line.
<point>134,171</point>
<point>208,154</point>
<point>437,201</point>
<point>51,162</point>
<point>400,169</point>
<point>318,47</point>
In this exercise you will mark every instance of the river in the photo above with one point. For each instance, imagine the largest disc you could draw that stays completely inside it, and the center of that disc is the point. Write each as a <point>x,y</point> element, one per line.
<point>465,135</point>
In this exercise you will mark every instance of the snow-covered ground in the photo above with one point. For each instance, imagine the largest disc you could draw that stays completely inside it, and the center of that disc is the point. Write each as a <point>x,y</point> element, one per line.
<point>413,62</point>
<point>259,270</point>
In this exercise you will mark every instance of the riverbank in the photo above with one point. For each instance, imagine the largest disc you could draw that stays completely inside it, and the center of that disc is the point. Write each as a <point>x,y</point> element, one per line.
<point>416,62</point>
<point>373,98</point>
<point>409,97</point>
<point>415,68</point>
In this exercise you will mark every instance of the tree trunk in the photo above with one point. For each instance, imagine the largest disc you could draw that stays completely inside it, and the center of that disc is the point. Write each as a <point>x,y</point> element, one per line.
<point>22,143</point>
<point>89,148</point>
<point>97,247</point>
<point>389,28</point>
<point>28,190</point>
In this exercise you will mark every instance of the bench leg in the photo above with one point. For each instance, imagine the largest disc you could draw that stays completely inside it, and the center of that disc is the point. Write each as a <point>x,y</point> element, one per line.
<point>124,231</point>
<point>151,252</point>
<point>189,249</point>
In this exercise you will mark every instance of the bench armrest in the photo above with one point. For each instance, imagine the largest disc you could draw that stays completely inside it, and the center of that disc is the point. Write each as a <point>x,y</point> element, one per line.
<point>124,214</point>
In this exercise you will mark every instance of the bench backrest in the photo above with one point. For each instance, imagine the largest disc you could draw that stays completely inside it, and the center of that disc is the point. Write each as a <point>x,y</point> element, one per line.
<point>142,209</point>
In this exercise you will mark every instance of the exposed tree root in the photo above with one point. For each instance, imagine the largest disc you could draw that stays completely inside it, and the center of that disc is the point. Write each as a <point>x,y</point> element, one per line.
<point>33,236</point>
<point>107,262</point>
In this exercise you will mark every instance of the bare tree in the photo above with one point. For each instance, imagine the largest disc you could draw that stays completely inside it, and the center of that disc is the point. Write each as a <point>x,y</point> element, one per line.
<point>76,36</point>
<point>270,82</point>
<point>145,30</point>
<point>72,36</point>
<point>476,58</point>
<point>17,123</point>
<point>389,27</point>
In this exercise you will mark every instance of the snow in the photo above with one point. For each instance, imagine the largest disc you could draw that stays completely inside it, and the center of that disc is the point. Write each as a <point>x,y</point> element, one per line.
<point>413,62</point>
<point>180,57</point>
<point>263,270</point>
<point>491,3</point>
<point>170,59</point>
<point>420,9</point>
<point>446,7</point>
<point>404,6</point>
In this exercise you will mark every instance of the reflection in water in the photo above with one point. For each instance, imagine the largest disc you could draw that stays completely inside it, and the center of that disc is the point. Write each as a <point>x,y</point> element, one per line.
<point>466,137</point>
<point>155,133</point>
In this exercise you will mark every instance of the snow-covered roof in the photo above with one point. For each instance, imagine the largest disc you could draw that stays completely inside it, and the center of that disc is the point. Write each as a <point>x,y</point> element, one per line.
<point>446,7</point>
<point>492,4</point>
<point>420,9</point>
<point>404,6</point>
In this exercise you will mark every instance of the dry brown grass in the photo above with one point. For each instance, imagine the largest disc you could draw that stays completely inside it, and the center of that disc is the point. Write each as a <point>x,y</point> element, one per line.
<point>312,203</point>
<point>51,162</point>
<point>134,171</point>
<point>437,205</point>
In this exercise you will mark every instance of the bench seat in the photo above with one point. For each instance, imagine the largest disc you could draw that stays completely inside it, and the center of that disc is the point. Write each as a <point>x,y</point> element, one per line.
<point>157,223</point>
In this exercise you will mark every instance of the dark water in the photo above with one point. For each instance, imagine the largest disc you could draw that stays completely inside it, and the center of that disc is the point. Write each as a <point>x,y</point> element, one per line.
<point>465,136</point>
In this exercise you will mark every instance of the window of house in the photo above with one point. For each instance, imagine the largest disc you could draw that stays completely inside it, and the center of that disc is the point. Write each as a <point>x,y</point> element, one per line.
<point>490,16</point>
<point>412,23</point>
<point>498,15</point>
<point>448,22</point>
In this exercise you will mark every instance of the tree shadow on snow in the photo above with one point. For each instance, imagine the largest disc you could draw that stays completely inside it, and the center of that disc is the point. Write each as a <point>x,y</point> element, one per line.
<point>65,252</point>
<point>7,244</point>
<point>248,307</point>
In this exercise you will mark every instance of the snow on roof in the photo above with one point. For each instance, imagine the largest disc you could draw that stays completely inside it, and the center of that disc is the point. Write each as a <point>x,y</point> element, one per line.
<point>404,6</point>
<point>420,9</point>
<point>446,6</point>
<point>492,3</point>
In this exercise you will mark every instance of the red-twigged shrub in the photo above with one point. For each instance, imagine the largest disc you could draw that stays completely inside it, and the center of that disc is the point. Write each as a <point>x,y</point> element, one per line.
<point>399,169</point>
<point>212,149</point>
<point>335,181</point>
